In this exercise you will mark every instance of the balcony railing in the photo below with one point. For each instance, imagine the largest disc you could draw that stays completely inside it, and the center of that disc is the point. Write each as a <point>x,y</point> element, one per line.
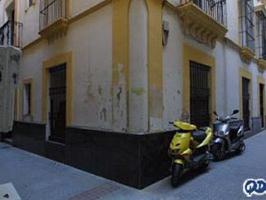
<point>11,34</point>
<point>51,11</point>
<point>214,8</point>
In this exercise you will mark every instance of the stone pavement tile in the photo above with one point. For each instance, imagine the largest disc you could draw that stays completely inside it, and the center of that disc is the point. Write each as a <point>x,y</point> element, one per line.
<point>98,192</point>
<point>37,178</point>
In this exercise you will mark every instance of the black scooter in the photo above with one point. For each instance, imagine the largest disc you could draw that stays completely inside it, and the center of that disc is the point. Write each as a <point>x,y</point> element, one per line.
<point>228,136</point>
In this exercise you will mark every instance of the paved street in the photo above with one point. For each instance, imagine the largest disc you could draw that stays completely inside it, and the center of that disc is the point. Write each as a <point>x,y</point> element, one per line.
<point>37,178</point>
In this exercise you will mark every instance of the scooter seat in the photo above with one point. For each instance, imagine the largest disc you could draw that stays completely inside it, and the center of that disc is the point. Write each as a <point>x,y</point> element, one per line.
<point>199,135</point>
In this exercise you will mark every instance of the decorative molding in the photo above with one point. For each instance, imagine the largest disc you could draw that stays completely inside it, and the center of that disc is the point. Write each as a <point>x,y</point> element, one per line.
<point>200,25</point>
<point>260,9</point>
<point>246,54</point>
<point>261,63</point>
<point>58,27</point>
<point>89,11</point>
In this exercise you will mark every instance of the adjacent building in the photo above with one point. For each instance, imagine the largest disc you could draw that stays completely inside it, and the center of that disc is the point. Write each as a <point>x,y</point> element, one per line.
<point>99,80</point>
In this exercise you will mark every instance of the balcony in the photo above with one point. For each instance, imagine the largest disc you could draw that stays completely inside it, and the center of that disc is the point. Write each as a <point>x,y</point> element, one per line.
<point>53,17</point>
<point>204,20</point>
<point>11,34</point>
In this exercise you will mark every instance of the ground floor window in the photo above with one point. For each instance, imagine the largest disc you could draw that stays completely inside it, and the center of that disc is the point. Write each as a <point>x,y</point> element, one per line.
<point>27,99</point>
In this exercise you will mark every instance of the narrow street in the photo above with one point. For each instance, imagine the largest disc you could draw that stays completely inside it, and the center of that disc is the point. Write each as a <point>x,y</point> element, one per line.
<point>35,178</point>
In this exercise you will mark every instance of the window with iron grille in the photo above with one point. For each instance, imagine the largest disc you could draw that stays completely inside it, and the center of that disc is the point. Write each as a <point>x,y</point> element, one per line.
<point>247,24</point>
<point>261,35</point>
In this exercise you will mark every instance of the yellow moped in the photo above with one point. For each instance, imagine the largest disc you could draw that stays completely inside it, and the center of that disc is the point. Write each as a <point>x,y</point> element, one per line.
<point>189,149</point>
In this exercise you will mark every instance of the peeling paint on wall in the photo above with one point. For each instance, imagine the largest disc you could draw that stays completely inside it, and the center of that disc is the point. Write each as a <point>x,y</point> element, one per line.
<point>138,91</point>
<point>103,114</point>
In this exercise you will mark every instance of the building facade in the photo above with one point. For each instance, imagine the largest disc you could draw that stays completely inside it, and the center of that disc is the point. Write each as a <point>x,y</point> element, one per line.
<point>100,80</point>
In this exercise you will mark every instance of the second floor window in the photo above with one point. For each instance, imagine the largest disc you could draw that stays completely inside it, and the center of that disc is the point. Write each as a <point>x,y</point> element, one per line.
<point>247,24</point>
<point>261,35</point>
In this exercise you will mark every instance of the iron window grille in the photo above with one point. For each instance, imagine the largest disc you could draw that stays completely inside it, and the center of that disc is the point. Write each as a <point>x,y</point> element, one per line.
<point>247,24</point>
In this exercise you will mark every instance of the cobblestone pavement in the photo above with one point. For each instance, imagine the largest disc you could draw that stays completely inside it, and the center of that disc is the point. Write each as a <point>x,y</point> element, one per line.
<point>38,178</point>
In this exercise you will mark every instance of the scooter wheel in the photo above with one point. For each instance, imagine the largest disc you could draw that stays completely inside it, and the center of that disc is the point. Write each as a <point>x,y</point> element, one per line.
<point>241,148</point>
<point>218,152</point>
<point>205,165</point>
<point>177,170</point>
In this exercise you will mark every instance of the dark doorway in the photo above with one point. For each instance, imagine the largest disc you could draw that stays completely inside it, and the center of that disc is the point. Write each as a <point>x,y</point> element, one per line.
<point>246,103</point>
<point>262,104</point>
<point>57,93</point>
<point>199,94</point>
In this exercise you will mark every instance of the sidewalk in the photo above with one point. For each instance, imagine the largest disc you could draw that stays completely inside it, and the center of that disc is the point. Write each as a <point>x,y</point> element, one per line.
<point>37,178</point>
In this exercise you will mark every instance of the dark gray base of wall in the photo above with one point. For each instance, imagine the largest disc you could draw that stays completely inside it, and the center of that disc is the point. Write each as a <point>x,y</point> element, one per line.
<point>30,137</point>
<point>256,127</point>
<point>134,160</point>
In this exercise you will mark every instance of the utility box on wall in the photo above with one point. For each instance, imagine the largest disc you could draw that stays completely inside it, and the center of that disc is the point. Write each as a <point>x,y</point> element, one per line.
<point>9,67</point>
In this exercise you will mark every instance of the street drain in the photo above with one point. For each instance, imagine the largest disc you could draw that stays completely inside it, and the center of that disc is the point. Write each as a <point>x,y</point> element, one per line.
<point>97,192</point>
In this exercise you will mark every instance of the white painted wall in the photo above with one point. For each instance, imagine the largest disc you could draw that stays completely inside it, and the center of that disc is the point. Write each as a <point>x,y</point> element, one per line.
<point>172,70</point>
<point>80,5</point>
<point>233,25</point>
<point>227,61</point>
<point>29,17</point>
<point>90,40</point>
<point>3,14</point>
<point>9,64</point>
<point>138,67</point>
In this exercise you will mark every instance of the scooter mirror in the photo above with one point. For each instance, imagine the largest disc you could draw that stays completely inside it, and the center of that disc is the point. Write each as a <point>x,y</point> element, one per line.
<point>235,112</point>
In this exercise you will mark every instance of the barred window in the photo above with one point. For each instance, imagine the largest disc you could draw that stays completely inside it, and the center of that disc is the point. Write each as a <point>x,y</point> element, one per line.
<point>261,35</point>
<point>247,23</point>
